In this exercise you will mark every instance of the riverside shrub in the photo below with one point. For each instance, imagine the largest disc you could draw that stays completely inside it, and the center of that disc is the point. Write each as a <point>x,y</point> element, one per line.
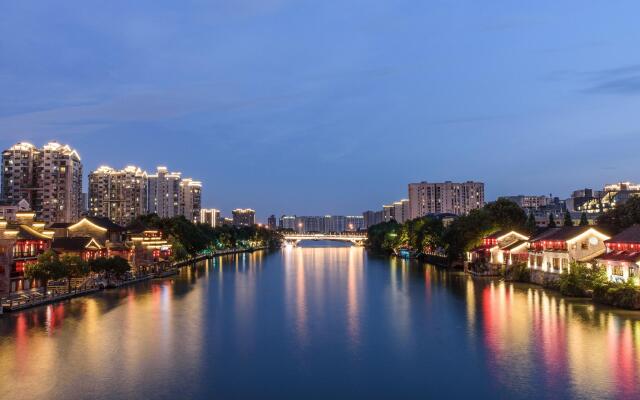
<point>581,280</point>
<point>623,295</point>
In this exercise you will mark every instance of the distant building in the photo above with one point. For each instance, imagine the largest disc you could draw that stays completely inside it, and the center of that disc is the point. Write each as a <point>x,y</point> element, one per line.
<point>354,223</point>
<point>447,197</point>
<point>310,224</point>
<point>529,202</point>
<point>371,218</point>
<point>322,224</point>
<point>402,211</point>
<point>164,193</point>
<point>244,217</point>
<point>388,213</point>
<point>272,222</point>
<point>49,179</point>
<point>210,216</point>
<point>9,211</point>
<point>170,195</point>
<point>609,198</point>
<point>190,199</point>
<point>287,222</point>
<point>120,195</point>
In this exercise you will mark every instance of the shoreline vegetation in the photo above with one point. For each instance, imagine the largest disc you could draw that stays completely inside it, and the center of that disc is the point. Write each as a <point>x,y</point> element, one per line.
<point>64,277</point>
<point>429,237</point>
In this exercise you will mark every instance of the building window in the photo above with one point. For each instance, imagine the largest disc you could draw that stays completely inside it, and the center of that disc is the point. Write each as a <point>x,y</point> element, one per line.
<point>617,270</point>
<point>565,264</point>
<point>539,261</point>
<point>556,263</point>
<point>585,245</point>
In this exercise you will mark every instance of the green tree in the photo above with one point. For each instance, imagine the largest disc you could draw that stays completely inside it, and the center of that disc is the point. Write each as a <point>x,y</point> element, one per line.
<point>531,223</point>
<point>48,267</point>
<point>568,221</point>
<point>506,214</point>
<point>623,216</point>
<point>584,221</point>
<point>113,266</point>
<point>552,221</point>
<point>75,267</point>
<point>581,279</point>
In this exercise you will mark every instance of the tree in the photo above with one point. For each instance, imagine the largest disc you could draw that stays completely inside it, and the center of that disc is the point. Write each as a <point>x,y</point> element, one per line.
<point>623,216</point>
<point>75,267</point>
<point>552,221</point>
<point>114,266</point>
<point>584,221</point>
<point>48,267</point>
<point>568,221</point>
<point>506,214</point>
<point>531,223</point>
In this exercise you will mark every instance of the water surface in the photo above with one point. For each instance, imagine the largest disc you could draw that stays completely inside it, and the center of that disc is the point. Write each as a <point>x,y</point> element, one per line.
<point>320,323</point>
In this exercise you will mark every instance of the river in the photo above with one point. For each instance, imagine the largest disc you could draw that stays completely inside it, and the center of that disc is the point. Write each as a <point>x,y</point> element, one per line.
<point>320,323</point>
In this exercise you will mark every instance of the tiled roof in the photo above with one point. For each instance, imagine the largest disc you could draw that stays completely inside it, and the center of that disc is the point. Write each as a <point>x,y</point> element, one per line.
<point>561,234</point>
<point>105,223</point>
<point>514,244</point>
<point>629,235</point>
<point>60,225</point>
<point>27,233</point>
<point>497,234</point>
<point>628,256</point>
<point>71,243</point>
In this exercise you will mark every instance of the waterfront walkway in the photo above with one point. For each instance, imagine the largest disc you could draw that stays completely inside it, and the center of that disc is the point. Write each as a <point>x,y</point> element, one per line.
<point>34,298</point>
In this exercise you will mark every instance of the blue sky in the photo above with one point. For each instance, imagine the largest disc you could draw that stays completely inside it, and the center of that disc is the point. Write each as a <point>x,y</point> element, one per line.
<point>315,107</point>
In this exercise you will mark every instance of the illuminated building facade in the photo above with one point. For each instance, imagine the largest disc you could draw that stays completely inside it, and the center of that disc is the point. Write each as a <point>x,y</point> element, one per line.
<point>210,216</point>
<point>49,179</point>
<point>553,250</point>
<point>244,217</point>
<point>448,197</point>
<point>120,195</point>
<point>190,199</point>
<point>609,198</point>
<point>21,242</point>
<point>499,249</point>
<point>622,260</point>
<point>287,222</point>
<point>164,193</point>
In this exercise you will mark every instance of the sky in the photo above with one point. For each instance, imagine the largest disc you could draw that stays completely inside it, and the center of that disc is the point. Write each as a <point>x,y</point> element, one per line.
<point>332,106</point>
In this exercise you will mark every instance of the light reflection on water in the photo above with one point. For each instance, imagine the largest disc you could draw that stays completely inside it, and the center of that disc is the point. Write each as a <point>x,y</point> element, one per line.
<point>315,323</point>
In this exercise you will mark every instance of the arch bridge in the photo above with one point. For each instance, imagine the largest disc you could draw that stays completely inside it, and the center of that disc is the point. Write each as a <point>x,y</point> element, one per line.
<point>357,239</point>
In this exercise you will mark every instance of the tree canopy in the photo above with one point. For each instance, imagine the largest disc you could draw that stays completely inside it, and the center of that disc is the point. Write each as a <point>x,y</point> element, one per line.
<point>623,216</point>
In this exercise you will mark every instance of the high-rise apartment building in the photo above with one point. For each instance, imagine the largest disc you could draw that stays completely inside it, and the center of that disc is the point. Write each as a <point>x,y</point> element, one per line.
<point>447,197</point>
<point>388,213</point>
<point>244,217</point>
<point>530,202</point>
<point>120,195</point>
<point>210,216</point>
<point>402,211</point>
<point>371,218</point>
<point>190,199</point>
<point>164,193</point>
<point>49,179</point>
<point>354,223</point>
<point>272,223</point>
<point>288,222</point>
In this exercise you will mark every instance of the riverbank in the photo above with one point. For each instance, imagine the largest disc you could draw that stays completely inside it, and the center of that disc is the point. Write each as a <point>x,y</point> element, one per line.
<point>35,298</point>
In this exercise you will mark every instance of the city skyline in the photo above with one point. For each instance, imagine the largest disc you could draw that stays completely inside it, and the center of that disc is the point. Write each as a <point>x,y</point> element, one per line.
<point>508,88</point>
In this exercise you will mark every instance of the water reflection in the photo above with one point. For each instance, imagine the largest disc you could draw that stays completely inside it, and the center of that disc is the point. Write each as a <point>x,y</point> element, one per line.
<point>305,322</point>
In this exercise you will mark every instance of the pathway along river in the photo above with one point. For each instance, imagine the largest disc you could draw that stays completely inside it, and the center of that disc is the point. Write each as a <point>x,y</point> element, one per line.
<point>321,323</point>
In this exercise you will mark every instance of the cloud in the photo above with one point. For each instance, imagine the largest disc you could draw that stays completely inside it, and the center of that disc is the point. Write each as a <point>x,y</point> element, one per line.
<point>622,81</point>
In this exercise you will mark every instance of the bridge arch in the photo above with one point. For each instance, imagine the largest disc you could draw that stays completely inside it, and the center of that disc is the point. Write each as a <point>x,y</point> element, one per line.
<point>357,239</point>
